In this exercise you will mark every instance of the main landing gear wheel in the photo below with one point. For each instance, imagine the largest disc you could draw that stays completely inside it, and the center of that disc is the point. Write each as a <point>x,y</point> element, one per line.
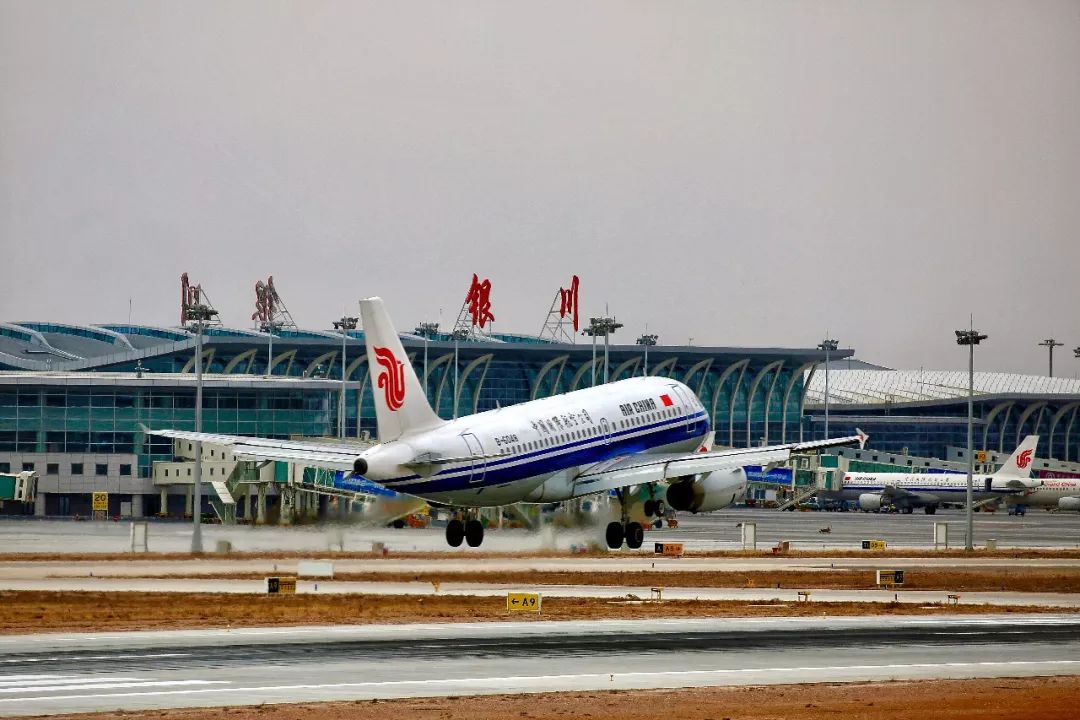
<point>635,535</point>
<point>455,533</point>
<point>930,509</point>
<point>614,535</point>
<point>650,508</point>
<point>474,533</point>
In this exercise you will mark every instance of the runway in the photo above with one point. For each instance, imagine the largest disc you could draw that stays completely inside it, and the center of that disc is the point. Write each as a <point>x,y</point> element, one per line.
<point>715,531</point>
<point>58,673</point>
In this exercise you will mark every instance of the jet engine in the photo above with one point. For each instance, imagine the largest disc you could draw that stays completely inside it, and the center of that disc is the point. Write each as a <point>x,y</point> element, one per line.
<point>1069,503</point>
<point>707,492</point>
<point>870,501</point>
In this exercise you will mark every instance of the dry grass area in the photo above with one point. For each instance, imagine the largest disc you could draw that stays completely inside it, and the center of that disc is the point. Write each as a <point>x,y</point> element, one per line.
<point>458,554</point>
<point>992,699</point>
<point>915,578</point>
<point>34,611</point>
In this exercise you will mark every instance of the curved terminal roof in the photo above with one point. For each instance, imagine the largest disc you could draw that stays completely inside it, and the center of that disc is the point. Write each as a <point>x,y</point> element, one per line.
<point>879,387</point>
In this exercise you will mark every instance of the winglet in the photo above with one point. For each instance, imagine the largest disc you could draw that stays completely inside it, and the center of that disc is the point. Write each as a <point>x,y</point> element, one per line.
<point>863,438</point>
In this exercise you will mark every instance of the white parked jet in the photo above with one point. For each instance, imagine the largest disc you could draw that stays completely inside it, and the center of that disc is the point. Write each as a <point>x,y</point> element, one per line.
<point>1060,493</point>
<point>908,491</point>
<point>649,431</point>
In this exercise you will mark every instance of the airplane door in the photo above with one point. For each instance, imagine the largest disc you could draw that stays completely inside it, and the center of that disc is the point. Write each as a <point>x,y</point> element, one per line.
<point>605,429</point>
<point>685,406</point>
<point>479,467</point>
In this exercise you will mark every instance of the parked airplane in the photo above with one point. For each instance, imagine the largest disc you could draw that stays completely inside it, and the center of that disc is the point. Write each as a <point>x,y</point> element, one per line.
<point>646,431</point>
<point>907,491</point>
<point>1060,493</point>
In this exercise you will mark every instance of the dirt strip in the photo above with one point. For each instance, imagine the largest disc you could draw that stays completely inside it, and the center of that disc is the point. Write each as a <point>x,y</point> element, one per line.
<point>34,612</point>
<point>915,578</point>
<point>459,554</point>
<point>991,699</point>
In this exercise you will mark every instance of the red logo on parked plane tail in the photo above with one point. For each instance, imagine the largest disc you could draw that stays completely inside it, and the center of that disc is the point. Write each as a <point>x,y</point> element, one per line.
<point>391,378</point>
<point>1024,460</point>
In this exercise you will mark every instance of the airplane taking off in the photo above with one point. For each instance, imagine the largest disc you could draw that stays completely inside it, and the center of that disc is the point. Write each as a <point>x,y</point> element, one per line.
<point>908,491</point>
<point>644,432</point>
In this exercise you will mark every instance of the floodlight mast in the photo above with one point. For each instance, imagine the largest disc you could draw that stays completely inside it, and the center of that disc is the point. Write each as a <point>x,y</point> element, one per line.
<point>647,341</point>
<point>426,330</point>
<point>200,314</point>
<point>828,345</point>
<point>344,325</point>
<point>1050,344</point>
<point>601,326</point>
<point>971,338</point>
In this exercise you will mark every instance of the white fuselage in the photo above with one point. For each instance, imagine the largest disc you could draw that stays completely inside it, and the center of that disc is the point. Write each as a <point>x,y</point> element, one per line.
<point>1050,493</point>
<point>528,452</point>
<point>927,488</point>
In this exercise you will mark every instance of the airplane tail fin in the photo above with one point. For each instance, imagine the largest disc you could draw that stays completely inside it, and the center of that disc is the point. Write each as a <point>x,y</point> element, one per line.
<point>1019,463</point>
<point>401,405</point>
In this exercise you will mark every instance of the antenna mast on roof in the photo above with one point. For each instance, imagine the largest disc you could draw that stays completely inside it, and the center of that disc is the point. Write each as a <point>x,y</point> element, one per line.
<point>475,318</point>
<point>563,315</point>
<point>194,301</point>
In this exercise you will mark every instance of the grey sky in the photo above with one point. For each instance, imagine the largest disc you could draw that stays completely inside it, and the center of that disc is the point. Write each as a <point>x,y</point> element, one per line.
<point>742,173</point>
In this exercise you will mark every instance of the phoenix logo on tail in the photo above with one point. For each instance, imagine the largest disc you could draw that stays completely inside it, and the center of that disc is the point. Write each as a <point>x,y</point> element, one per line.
<point>1024,460</point>
<point>391,378</point>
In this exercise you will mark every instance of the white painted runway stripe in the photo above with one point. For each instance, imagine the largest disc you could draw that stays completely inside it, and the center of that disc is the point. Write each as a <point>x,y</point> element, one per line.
<point>598,677</point>
<point>104,684</point>
<point>94,657</point>
<point>55,680</point>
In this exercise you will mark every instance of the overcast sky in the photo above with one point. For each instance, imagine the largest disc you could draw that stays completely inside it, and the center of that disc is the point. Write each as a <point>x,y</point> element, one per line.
<point>742,173</point>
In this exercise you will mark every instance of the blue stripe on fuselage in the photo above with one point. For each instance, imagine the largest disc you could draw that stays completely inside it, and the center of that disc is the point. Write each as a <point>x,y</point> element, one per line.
<point>548,460</point>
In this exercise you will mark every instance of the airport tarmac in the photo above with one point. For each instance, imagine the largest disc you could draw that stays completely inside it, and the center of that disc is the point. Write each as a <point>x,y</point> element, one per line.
<point>62,673</point>
<point>715,531</point>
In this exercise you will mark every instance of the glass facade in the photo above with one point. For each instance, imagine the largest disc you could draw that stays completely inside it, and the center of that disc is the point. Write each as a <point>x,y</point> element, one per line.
<point>100,405</point>
<point>109,419</point>
<point>926,430</point>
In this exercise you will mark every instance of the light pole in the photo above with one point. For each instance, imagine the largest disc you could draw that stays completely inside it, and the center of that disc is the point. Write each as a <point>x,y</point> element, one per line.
<point>344,325</point>
<point>1050,344</point>
<point>459,335</point>
<point>971,338</point>
<point>199,314</point>
<point>601,326</point>
<point>828,345</point>
<point>647,341</point>
<point>426,330</point>
<point>269,327</point>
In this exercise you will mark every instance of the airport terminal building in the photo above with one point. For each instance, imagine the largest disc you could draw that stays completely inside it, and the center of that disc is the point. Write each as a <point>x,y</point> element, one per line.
<point>924,413</point>
<point>74,400</point>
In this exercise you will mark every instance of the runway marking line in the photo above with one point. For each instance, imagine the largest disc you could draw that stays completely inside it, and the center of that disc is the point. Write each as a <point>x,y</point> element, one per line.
<point>595,676</point>
<point>84,683</point>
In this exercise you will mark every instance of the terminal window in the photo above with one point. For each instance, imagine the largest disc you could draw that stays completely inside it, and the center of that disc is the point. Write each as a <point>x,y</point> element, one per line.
<point>101,469</point>
<point>28,467</point>
<point>125,470</point>
<point>52,469</point>
<point>76,468</point>
<point>5,467</point>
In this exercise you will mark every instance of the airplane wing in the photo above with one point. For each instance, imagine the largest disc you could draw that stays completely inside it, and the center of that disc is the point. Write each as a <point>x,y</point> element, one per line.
<point>892,492</point>
<point>331,455</point>
<point>643,468</point>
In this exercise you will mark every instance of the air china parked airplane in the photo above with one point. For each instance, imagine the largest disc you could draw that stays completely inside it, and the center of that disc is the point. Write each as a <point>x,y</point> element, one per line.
<point>1054,492</point>
<point>646,432</point>
<point>908,491</point>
